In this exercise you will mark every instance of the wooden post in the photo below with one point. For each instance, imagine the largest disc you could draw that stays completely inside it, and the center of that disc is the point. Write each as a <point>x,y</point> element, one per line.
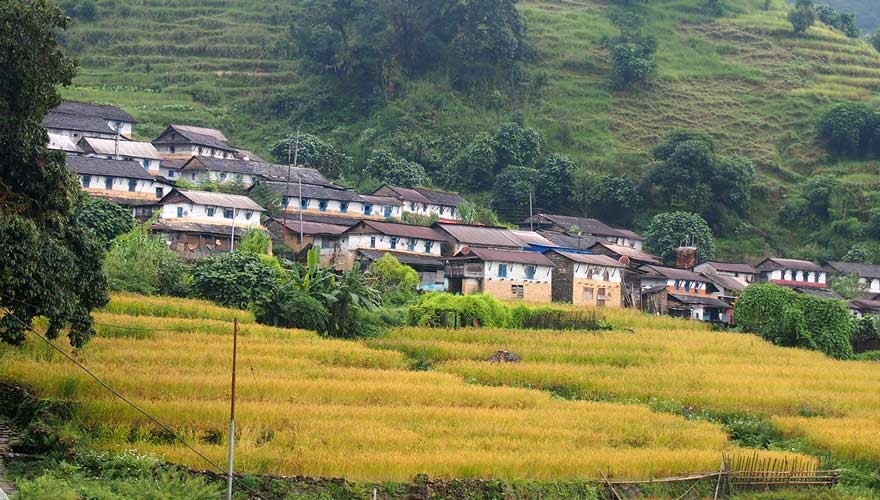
<point>231,462</point>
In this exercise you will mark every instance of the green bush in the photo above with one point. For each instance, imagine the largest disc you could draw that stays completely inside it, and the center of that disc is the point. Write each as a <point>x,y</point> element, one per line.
<point>288,307</point>
<point>788,318</point>
<point>443,309</point>
<point>141,262</point>
<point>234,279</point>
<point>868,356</point>
<point>398,283</point>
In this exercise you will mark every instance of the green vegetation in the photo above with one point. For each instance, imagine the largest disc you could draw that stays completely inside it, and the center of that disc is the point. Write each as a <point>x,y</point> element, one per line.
<point>141,262</point>
<point>668,231</point>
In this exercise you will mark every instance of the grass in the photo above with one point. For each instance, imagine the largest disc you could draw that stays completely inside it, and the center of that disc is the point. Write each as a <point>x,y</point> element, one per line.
<point>321,407</point>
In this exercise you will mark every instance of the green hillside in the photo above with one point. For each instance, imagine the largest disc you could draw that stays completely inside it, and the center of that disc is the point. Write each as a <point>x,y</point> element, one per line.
<point>866,11</point>
<point>742,75</point>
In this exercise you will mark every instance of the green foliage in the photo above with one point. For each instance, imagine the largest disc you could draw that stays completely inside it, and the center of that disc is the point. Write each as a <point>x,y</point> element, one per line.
<point>255,241</point>
<point>312,152</point>
<point>555,181</point>
<point>234,279</point>
<point>387,168</point>
<point>514,186</point>
<point>516,145</point>
<point>788,318</point>
<point>470,213</point>
<point>849,128</point>
<point>670,230</point>
<point>443,309</point>
<point>802,17</point>
<point>612,199</point>
<point>349,295</point>
<point>141,262</point>
<point>266,197</point>
<point>49,263</point>
<point>398,283</point>
<point>632,56</point>
<point>107,219</point>
<point>875,40</point>
<point>289,307</point>
<point>473,168</point>
<point>849,287</point>
<point>845,22</point>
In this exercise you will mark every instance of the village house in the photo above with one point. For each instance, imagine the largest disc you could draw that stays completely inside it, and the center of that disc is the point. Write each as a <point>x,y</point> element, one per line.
<point>459,236</point>
<point>682,293</point>
<point>424,202</point>
<point>141,152</point>
<point>503,274</point>
<point>589,280</point>
<point>309,234</point>
<point>199,223</point>
<point>582,227</point>
<point>79,119</point>
<point>200,169</point>
<point>185,141</point>
<point>330,200</point>
<point>389,237</point>
<point>792,273</point>
<point>869,274</point>
<point>745,272</point>
<point>124,182</point>
<point>728,287</point>
<point>65,143</point>
<point>628,255</point>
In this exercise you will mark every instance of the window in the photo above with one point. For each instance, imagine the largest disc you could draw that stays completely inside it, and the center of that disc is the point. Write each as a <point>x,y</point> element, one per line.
<point>588,294</point>
<point>86,180</point>
<point>530,272</point>
<point>304,204</point>
<point>248,214</point>
<point>452,212</point>
<point>372,242</point>
<point>322,205</point>
<point>285,201</point>
<point>411,245</point>
<point>200,150</point>
<point>393,243</point>
<point>238,178</point>
<point>606,276</point>
<point>172,174</point>
<point>368,209</point>
<point>442,210</point>
<point>228,213</point>
<point>502,270</point>
<point>146,164</point>
<point>132,185</point>
<point>160,192</point>
<point>601,298</point>
<point>518,291</point>
<point>210,211</point>
<point>428,246</point>
<point>388,210</point>
<point>412,206</point>
<point>172,149</point>
<point>222,176</point>
<point>343,207</point>
<point>108,183</point>
<point>179,212</point>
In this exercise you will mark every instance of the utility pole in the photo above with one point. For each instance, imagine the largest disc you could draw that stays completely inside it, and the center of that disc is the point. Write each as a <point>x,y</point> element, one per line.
<point>287,186</point>
<point>232,238</point>
<point>116,144</point>
<point>531,215</point>
<point>231,463</point>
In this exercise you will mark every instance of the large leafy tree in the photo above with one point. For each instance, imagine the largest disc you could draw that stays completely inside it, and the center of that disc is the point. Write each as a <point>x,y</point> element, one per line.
<point>312,152</point>
<point>385,167</point>
<point>107,219</point>
<point>50,265</point>
<point>513,187</point>
<point>670,230</point>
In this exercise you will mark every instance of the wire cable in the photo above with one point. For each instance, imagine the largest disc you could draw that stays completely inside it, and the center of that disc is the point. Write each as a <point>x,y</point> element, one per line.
<point>128,402</point>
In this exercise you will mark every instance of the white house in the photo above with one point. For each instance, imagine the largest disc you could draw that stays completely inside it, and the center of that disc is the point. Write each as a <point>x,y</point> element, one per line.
<point>334,201</point>
<point>141,152</point>
<point>124,182</point>
<point>199,169</point>
<point>79,119</point>
<point>374,235</point>
<point>424,202</point>
<point>744,272</point>
<point>503,274</point>
<point>582,227</point>
<point>793,273</point>
<point>869,274</point>
<point>185,141</point>
<point>678,281</point>
<point>211,208</point>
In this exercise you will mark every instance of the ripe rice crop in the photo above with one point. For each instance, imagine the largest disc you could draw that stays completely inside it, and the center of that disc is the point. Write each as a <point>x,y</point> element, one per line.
<point>174,307</point>
<point>320,407</point>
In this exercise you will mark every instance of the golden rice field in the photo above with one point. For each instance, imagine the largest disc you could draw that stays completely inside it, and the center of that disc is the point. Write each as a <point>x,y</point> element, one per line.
<point>319,407</point>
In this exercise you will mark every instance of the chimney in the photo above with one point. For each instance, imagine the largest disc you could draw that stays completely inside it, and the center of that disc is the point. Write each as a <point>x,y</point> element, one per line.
<point>686,257</point>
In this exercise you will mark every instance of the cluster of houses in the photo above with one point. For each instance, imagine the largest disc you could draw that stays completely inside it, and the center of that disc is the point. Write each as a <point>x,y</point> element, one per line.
<point>548,258</point>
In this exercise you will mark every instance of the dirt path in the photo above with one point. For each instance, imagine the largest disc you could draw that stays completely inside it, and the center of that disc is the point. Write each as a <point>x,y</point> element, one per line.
<point>6,487</point>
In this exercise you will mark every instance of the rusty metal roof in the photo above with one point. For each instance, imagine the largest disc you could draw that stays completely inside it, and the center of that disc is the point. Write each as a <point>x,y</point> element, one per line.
<point>483,236</point>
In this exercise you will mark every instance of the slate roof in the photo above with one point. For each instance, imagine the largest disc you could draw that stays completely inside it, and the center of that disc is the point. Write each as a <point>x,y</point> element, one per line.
<point>269,171</point>
<point>61,142</point>
<point>132,149</point>
<point>404,258</point>
<point>568,241</point>
<point>774,263</point>
<point>863,270</point>
<point>217,199</point>
<point>64,121</point>
<point>587,225</point>
<point>482,235</point>
<point>672,273</point>
<point>400,230</point>
<point>86,165</point>
<point>591,259</point>
<point>629,252</point>
<point>324,219</point>
<point>730,267</point>
<point>309,227</point>
<point>210,132</point>
<point>314,192</point>
<point>726,282</point>
<point>866,306</point>
<point>198,227</point>
<point>381,200</point>
<point>698,300</point>
<point>496,255</point>
<point>190,135</point>
<point>104,111</point>
<point>424,195</point>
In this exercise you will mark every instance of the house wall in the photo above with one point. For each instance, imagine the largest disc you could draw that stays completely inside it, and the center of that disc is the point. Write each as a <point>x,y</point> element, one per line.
<point>795,276</point>
<point>378,241</point>
<point>708,269</point>
<point>334,207</point>
<point>442,211</point>
<point>193,150</point>
<point>199,213</point>
<point>97,184</point>
<point>539,289</point>
<point>193,246</point>
<point>76,135</point>
<point>125,128</point>
<point>149,164</point>
<point>683,287</point>
<point>198,177</point>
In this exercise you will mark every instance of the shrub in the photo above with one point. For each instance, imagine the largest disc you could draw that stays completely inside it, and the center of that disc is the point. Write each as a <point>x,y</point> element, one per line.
<point>234,279</point>
<point>802,17</point>
<point>141,262</point>
<point>847,128</point>
<point>443,309</point>
<point>397,283</point>
<point>788,318</point>
<point>288,307</point>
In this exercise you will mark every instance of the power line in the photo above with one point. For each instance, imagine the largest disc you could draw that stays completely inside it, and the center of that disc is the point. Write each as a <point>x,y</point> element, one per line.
<point>128,402</point>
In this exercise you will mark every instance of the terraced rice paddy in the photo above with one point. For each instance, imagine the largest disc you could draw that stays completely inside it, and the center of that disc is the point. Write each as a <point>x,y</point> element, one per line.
<point>319,407</point>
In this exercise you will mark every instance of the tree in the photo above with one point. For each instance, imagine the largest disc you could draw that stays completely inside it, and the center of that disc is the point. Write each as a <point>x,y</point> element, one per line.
<point>398,283</point>
<point>107,219</point>
<point>312,152</point>
<point>265,197</point>
<point>514,186</point>
<point>682,181</point>
<point>875,40</point>
<point>141,262</point>
<point>670,230</point>
<point>516,145</point>
<point>848,127</point>
<point>87,10</point>
<point>633,58</point>
<point>470,213</point>
<point>802,16</point>
<point>850,287</point>
<point>732,182</point>
<point>610,198</point>
<point>817,192</point>
<point>234,279</point>
<point>349,294</point>
<point>287,306</point>
<point>473,168</point>
<point>255,241</point>
<point>556,178</point>
<point>873,226</point>
<point>385,167</point>
<point>50,265</point>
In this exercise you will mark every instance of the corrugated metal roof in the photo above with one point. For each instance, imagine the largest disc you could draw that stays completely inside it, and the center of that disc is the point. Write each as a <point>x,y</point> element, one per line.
<point>586,225</point>
<point>381,200</point>
<point>401,230</point>
<point>314,192</point>
<point>728,282</point>
<point>866,306</point>
<point>730,267</point>
<point>863,270</point>
<point>404,258</point>
<point>482,235</point>
<point>131,149</point>
<point>630,252</point>
<point>798,265</point>
<point>210,132</point>
<point>567,241</point>
<point>309,227</point>
<point>198,227</point>
<point>591,259</point>
<point>672,273</point>
<point>512,256</point>
<point>425,195</point>
<point>105,111</point>
<point>61,142</point>
<point>186,132</point>
<point>698,300</point>
<point>219,200</point>
<point>127,169</point>
<point>531,238</point>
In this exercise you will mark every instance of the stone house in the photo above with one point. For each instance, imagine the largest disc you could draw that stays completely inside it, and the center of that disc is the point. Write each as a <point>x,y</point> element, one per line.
<point>745,272</point>
<point>185,141</point>
<point>141,152</point>
<point>124,182</point>
<point>582,227</point>
<point>503,274</point>
<point>588,280</point>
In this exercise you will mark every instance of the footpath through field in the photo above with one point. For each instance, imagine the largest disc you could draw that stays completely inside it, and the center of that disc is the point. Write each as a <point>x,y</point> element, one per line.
<point>6,488</point>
